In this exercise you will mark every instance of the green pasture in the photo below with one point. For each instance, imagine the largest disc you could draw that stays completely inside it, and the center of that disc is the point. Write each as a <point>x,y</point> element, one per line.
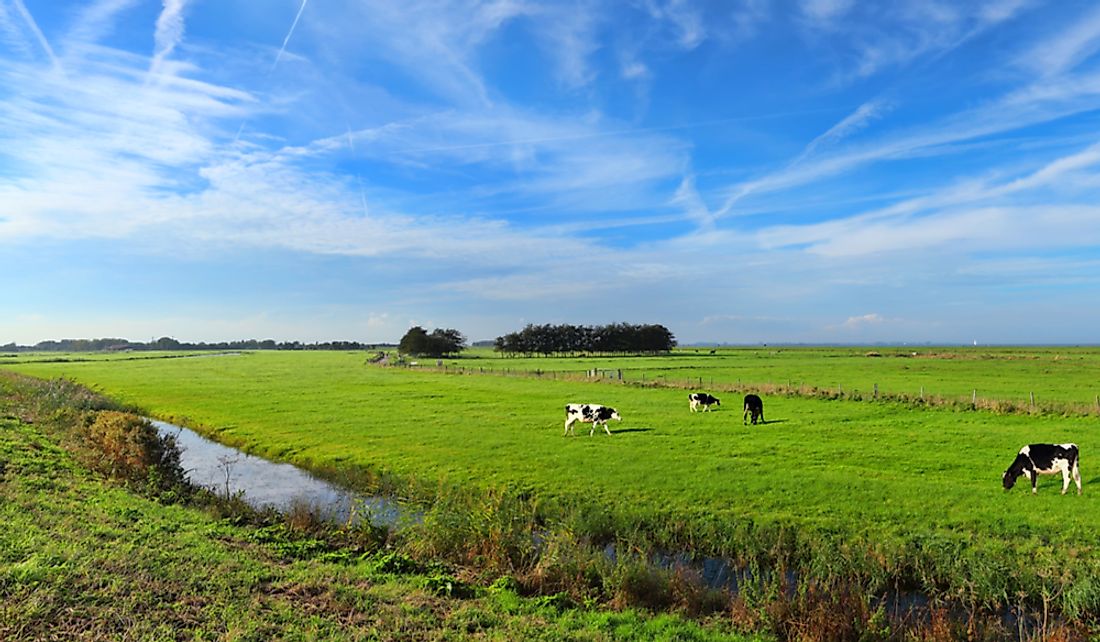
<point>859,467</point>
<point>1063,375</point>
<point>83,559</point>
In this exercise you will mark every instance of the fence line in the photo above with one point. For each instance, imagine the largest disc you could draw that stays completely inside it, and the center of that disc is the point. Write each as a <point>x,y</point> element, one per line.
<point>790,389</point>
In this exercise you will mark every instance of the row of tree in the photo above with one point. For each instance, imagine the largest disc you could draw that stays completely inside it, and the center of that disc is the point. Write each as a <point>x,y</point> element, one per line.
<point>565,339</point>
<point>168,343</point>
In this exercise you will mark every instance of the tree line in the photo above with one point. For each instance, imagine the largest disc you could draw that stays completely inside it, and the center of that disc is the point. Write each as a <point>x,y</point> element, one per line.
<point>566,339</point>
<point>168,343</point>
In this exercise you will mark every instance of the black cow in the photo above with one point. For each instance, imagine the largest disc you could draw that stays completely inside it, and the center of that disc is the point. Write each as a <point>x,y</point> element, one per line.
<point>754,407</point>
<point>697,399</point>
<point>589,413</point>
<point>1045,459</point>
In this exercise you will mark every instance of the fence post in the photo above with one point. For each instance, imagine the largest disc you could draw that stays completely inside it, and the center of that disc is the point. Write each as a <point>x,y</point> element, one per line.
<point>922,393</point>
<point>876,392</point>
<point>974,399</point>
<point>1032,399</point>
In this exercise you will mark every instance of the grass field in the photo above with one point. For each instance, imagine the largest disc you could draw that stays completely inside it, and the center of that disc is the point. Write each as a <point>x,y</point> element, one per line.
<point>914,493</point>
<point>1067,376</point>
<point>82,559</point>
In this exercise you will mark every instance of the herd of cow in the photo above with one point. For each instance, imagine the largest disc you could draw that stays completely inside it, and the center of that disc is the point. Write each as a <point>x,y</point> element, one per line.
<point>1032,460</point>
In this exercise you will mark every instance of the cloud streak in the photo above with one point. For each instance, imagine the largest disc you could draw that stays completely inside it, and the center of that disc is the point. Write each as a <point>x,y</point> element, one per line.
<point>168,33</point>
<point>31,26</point>
<point>289,33</point>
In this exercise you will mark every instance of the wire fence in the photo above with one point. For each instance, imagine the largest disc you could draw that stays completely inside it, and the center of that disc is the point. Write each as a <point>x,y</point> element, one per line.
<point>1021,404</point>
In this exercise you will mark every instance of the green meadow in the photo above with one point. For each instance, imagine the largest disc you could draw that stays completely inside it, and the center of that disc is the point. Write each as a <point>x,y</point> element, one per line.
<point>82,558</point>
<point>1063,376</point>
<point>894,494</point>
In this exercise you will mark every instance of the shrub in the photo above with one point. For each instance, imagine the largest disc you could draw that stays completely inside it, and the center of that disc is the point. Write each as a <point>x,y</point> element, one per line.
<point>127,447</point>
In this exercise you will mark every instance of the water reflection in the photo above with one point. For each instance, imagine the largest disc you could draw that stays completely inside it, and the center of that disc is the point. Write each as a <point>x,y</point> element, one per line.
<point>265,483</point>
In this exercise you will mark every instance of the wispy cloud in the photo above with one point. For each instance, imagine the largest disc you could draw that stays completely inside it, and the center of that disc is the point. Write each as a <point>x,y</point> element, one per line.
<point>168,33</point>
<point>1068,47</point>
<point>289,33</point>
<point>13,32</point>
<point>683,17</point>
<point>973,215</point>
<point>879,37</point>
<point>847,126</point>
<point>96,20</point>
<point>873,318</point>
<point>825,12</point>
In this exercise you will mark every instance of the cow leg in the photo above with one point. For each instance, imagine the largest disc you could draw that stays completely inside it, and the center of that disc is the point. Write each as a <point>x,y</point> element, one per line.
<point>568,426</point>
<point>606,429</point>
<point>1065,480</point>
<point>1034,478</point>
<point>691,404</point>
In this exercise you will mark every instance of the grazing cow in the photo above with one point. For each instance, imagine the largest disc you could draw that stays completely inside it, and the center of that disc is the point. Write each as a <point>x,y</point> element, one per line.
<point>1045,459</point>
<point>697,399</point>
<point>589,413</point>
<point>753,407</point>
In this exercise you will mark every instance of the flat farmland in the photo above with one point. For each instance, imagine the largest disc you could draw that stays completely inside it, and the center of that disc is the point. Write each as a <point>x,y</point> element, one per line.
<point>1065,376</point>
<point>835,464</point>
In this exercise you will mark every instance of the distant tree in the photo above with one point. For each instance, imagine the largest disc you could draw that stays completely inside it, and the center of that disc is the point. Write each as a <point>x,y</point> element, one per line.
<point>414,342</point>
<point>441,342</point>
<point>446,342</point>
<point>616,338</point>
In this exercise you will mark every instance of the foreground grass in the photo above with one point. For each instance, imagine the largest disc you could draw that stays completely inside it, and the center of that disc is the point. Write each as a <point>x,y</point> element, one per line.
<point>81,559</point>
<point>871,464</point>
<point>880,494</point>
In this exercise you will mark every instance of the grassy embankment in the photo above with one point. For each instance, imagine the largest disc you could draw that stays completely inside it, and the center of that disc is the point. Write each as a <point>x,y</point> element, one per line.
<point>82,558</point>
<point>865,496</point>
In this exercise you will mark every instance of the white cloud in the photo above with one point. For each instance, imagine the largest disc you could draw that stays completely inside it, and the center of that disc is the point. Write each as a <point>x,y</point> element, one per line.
<point>824,12</point>
<point>168,33</point>
<point>873,318</point>
<point>19,31</point>
<point>875,37</point>
<point>1066,48</point>
<point>96,20</point>
<point>289,33</point>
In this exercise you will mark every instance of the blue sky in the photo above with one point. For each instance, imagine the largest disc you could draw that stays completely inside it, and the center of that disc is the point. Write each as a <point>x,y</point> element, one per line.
<point>740,171</point>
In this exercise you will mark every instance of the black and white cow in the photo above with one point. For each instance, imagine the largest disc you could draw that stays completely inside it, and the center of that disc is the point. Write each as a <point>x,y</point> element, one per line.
<point>754,407</point>
<point>1045,459</point>
<point>697,399</point>
<point>589,413</point>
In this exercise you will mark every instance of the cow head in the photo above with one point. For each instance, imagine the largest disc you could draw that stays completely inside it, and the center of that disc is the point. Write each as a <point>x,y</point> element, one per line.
<point>607,414</point>
<point>1013,473</point>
